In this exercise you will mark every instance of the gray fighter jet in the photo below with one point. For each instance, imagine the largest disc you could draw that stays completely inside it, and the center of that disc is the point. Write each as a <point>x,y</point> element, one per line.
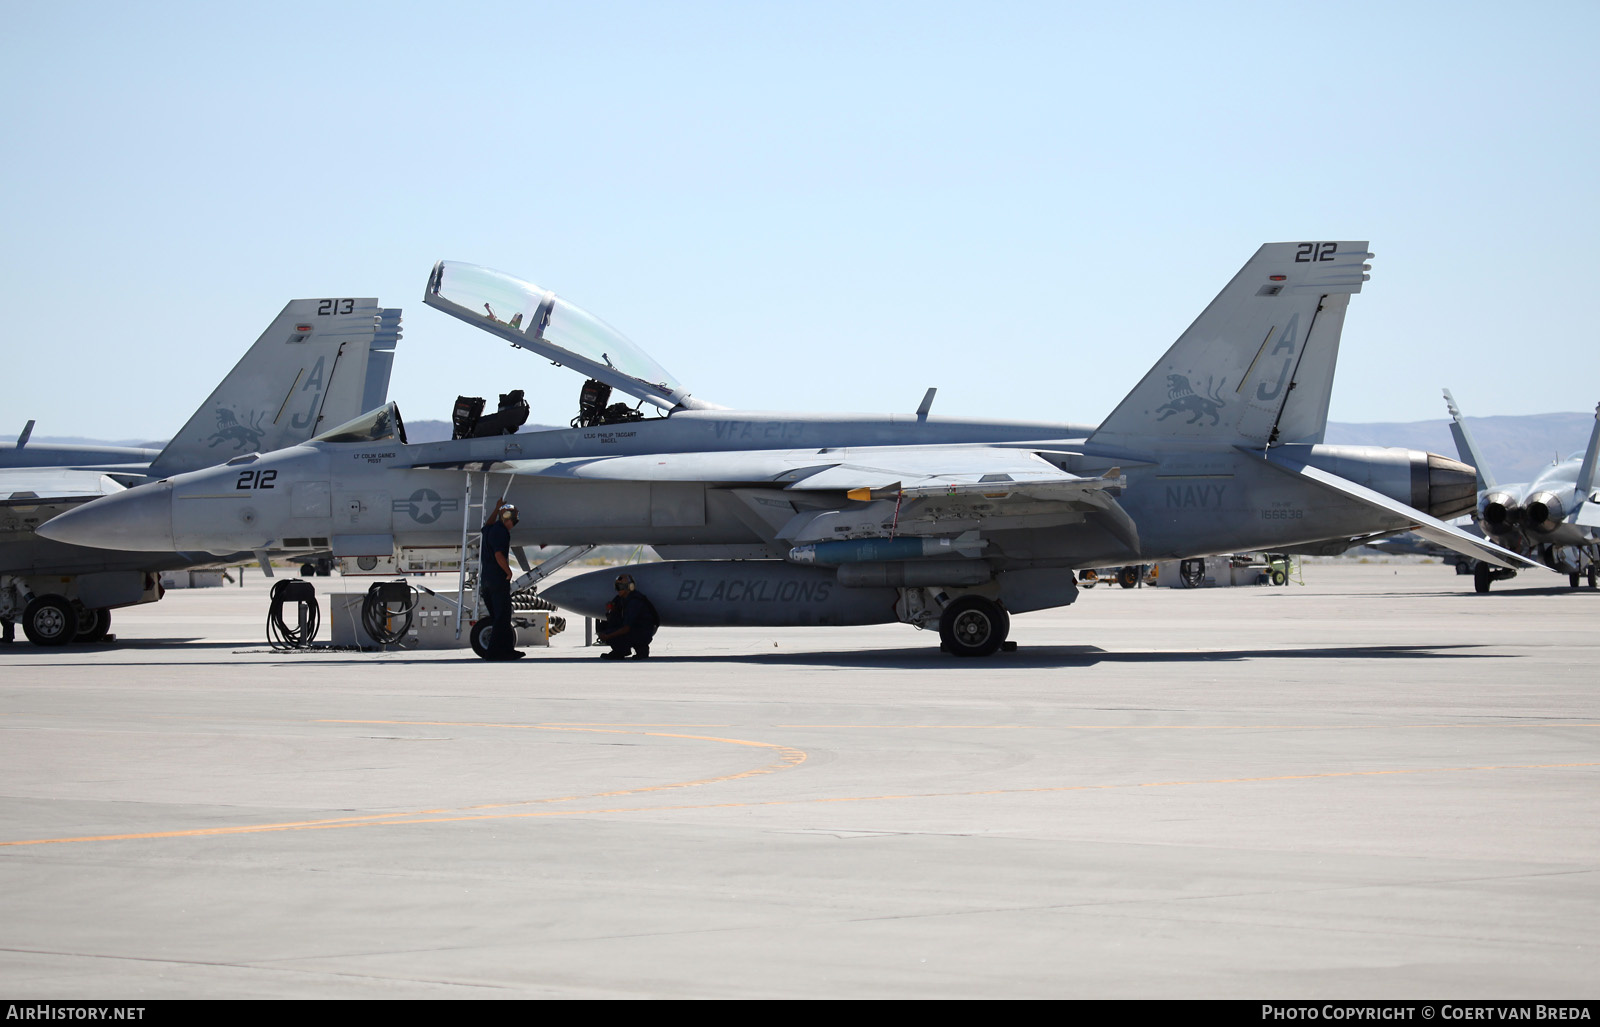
<point>1553,519</point>
<point>795,519</point>
<point>320,362</point>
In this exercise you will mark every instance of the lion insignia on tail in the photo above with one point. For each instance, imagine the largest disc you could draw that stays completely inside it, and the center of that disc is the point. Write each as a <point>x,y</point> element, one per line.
<point>1183,399</point>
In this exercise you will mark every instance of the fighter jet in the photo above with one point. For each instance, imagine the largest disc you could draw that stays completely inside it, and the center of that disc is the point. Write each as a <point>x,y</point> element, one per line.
<point>794,519</point>
<point>1553,519</point>
<point>320,362</point>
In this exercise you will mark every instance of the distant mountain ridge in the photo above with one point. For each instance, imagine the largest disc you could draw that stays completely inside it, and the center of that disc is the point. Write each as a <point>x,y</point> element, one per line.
<point>1515,448</point>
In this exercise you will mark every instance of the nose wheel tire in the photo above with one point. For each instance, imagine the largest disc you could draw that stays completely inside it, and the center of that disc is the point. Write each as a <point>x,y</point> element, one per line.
<point>50,620</point>
<point>481,633</point>
<point>1481,578</point>
<point>973,626</point>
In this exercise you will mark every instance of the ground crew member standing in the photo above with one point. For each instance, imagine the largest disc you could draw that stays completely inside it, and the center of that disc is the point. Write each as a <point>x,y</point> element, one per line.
<point>494,582</point>
<point>630,622</point>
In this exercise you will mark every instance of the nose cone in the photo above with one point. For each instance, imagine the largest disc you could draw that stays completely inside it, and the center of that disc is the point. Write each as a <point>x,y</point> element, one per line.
<point>587,594</point>
<point>139,519</point>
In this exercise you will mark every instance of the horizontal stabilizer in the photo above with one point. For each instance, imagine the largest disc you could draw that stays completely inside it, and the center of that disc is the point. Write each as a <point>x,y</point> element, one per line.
<point>1430,528</point>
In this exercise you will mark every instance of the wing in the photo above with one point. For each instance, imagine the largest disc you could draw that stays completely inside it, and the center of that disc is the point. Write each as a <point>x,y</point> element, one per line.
<point>802,496</point>
<point>29,496</point>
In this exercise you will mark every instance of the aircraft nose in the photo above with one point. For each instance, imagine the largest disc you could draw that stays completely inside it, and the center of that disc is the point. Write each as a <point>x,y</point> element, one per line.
<point>139,519</point>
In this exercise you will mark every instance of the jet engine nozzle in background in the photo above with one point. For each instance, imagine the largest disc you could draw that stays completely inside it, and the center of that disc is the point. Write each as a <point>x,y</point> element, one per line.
<point>1499,512</point>
<point>1544,512</point>
<point>1452,487</point>
<point>1437,485</point>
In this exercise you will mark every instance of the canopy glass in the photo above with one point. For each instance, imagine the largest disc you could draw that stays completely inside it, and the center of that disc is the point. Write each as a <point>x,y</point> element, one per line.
<point>539,320</point>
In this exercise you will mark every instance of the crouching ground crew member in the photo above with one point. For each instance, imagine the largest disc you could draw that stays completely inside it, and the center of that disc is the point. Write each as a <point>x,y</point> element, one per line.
<point>494,582</point>
<point>630,622</point>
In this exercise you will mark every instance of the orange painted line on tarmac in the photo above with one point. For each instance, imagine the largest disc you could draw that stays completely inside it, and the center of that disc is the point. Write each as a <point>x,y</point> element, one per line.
<point>446,817</point>
<point>1175,727</point>
<point>788,757</point>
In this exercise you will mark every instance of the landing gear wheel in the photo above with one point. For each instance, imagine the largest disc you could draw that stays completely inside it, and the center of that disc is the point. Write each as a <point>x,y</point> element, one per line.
<point>481,634</point>
<point>50,620</point>
<point>1593,578</point>
<point>92,626</point>
<point>1128,576</point>
<point>1572,579</point>
<point>1192,573</point>
<point>1481,578</point>
<point>973,626</point>
<point>307,570</point>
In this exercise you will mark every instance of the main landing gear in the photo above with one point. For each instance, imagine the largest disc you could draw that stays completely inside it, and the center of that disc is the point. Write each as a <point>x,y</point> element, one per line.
<point>1483,573</point>
<point>973,626</point>
<point>52,620</point>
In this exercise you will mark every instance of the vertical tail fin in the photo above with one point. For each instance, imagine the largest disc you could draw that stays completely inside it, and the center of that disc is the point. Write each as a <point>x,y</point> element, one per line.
<point>1256,367</point>
<point>320,363</point>
<point>1466,448</point>
<point>1585,482</point>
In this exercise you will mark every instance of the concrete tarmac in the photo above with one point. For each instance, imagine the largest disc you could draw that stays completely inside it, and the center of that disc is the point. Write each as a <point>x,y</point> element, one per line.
<point>1374,785</point>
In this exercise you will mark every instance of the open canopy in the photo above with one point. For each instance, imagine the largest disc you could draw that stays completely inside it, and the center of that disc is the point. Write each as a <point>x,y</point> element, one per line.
<point>536,319</point>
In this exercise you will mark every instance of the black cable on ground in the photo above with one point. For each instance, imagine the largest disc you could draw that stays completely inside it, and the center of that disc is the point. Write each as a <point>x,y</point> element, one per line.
<point>308,615</point>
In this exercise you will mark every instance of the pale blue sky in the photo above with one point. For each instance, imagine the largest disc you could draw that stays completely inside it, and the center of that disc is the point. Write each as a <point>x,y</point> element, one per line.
<point>825,206</point>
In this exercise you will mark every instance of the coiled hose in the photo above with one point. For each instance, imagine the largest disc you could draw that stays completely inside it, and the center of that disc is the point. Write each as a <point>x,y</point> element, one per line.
<point>308,615</point>
<point>388,603</point>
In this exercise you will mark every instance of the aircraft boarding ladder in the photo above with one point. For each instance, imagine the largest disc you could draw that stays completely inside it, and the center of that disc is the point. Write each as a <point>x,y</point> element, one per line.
<point>469,602</point>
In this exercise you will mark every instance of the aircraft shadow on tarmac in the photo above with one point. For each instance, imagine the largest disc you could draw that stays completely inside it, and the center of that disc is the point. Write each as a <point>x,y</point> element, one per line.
<point>1024,658</point>
<point>1030,657</point>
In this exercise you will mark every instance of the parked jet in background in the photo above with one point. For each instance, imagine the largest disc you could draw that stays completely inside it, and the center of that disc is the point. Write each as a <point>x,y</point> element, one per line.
<point>320,362</point>
<point>794,519</point>
<point>112,459</point>
<point>1553,519</point>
